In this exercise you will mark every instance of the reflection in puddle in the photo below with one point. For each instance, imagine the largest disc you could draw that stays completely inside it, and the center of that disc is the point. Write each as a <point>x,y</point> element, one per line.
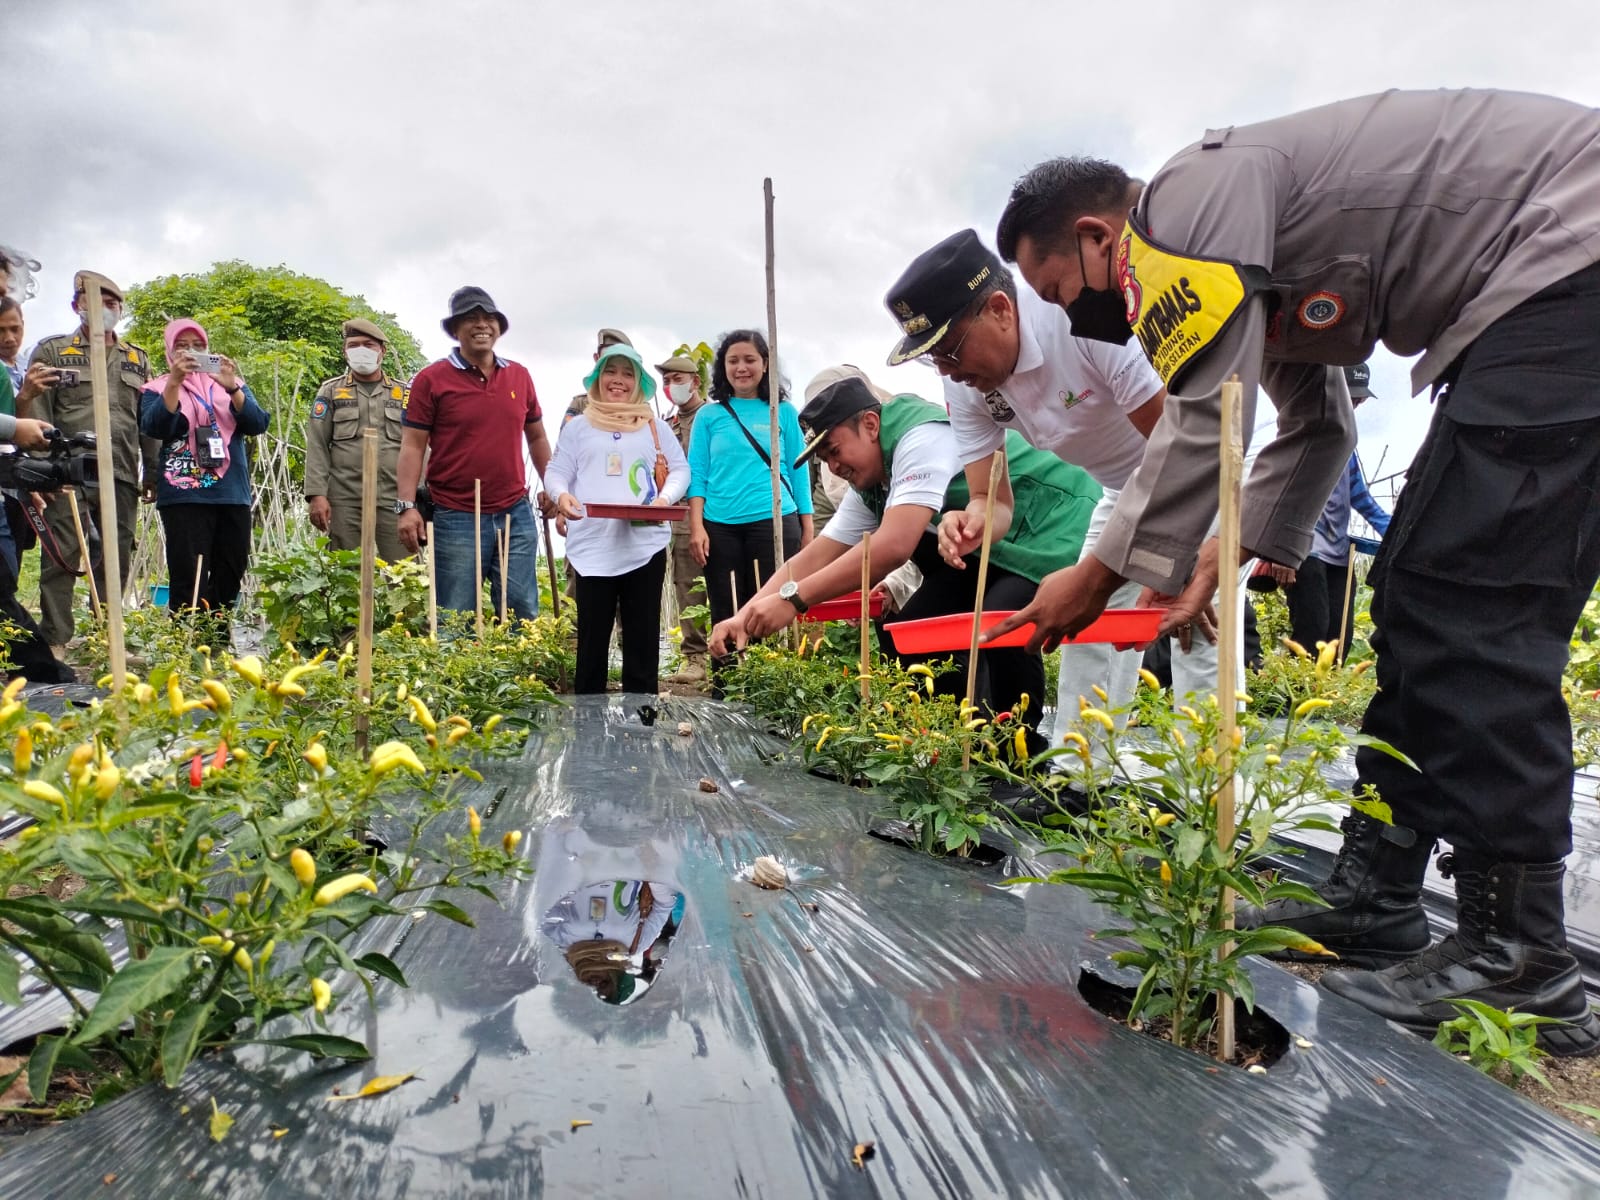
<point>614,934</point>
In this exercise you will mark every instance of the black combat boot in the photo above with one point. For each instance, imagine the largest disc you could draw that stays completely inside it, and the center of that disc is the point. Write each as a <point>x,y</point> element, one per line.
<point>1509,950</point>
<point>1374,893</point>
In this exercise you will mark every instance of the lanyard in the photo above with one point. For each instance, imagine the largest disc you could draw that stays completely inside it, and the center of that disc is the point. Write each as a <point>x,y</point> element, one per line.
<point>205,402</point>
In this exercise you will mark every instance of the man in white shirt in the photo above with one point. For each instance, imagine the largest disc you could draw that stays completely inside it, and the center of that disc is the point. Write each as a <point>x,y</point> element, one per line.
<point>1010,362</point>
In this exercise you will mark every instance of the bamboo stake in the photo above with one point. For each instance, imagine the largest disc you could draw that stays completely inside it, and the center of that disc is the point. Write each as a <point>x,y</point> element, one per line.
<point>199,574</point>
<point>755,567</point>
<point>477,551</point>
<point>550,564</point>
<point>504,542</point>
<point>83,552</point>
<point>1344,611</point>
<point>733,588</point>
<point>433,587</point>
<point>866,615</point>
<point>369,566</point>
<point>1232,466</point>
<point>110,549</point>
<point>997,465</point>
<point>772,384</point>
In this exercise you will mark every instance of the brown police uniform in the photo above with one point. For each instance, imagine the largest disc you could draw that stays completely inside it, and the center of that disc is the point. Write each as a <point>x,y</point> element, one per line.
<point>71,409</point>
<point>688,582</point>
<point>344,407</point>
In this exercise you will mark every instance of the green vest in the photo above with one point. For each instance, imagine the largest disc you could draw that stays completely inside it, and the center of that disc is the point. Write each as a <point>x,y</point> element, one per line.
<point>8,397</point>
<point>1054,500</point>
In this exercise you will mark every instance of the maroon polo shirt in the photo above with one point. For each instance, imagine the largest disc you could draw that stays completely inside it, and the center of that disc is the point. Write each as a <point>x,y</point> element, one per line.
<point>476,430</point>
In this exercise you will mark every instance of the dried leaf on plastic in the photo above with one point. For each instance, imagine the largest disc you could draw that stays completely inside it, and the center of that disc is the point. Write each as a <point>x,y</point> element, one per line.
<point>685,729</point>
<point>862,1152</point>
<point>709,785</point>
<point>221,1122</point>
<point>375,1087</point>
<point>577,1125</point>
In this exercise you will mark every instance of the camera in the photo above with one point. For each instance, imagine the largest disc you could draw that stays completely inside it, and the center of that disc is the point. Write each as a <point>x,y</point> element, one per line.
<point>70,462</point>
<point>67,377</point>
<point>209,363</point>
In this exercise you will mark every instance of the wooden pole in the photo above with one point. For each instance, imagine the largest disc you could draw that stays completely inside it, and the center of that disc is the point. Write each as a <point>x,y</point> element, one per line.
<point>504,542</point>
<point>1232,467</point>
<point>110,548</point>
<point>550,564</point>
<point>199,574</point>
<point>83,551</point>
<point>866,616</point>
<point>733,589</point>
<point>1344,611</point>
<point>433,587</point>
<point>997,466</point>
<point>369,566</point>
<point>477,551</point>
<point>772,386</point>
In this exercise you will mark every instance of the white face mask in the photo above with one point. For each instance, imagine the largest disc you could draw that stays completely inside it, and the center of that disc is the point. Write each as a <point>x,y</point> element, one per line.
<point>680,393</point>
<point>108,318</point>
<point>363,360</point>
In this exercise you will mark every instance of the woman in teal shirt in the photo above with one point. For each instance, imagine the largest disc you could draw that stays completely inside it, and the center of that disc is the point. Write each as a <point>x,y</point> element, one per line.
<point>730,493</point>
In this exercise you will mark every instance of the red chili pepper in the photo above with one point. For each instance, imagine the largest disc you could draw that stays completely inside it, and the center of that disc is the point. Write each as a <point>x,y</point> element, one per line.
<point>221,759</point>
<point>1005,716</point>
<point>933,758</point>
<point>197,766</point>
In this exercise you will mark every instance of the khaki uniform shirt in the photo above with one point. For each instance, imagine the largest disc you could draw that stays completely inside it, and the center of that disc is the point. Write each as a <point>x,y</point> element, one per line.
<point>71,409</point>
<point>343,408</point>
<point>1411,218</point>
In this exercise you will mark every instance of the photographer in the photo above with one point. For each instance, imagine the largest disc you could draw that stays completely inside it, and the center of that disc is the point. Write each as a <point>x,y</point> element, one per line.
<point>202,412</point>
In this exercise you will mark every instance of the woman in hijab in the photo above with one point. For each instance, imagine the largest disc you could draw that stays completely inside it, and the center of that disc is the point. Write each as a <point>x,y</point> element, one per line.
<point>616,452</point>
<point>203,490</point>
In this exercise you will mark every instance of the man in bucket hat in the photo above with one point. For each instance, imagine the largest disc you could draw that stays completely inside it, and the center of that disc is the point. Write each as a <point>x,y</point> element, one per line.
<point>470,414</point>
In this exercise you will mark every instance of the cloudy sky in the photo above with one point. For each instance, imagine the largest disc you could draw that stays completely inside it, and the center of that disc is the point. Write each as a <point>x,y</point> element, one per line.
<point>601,163</point>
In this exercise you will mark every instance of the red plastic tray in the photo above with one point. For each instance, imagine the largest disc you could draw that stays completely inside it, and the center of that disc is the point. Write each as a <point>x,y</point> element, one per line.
<point>844,608</point>
<point>1124,628</point>
<point>638,512</point>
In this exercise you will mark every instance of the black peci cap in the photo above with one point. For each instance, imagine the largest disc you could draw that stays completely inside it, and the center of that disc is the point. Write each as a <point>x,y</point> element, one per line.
<point>936,289</point>
<point>830,408</point>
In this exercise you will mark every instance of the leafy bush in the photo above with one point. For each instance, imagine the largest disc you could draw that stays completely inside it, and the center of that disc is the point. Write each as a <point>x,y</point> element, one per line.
<point>1501,1043</point>
<point>311,595</point>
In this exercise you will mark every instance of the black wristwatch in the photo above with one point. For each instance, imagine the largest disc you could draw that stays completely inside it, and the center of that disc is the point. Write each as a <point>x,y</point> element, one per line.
<point>791,592</point>
<point>401,506</point>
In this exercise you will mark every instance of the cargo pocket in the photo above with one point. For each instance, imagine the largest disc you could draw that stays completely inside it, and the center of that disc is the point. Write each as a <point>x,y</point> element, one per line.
<point>347,423</point>
<point>1502,506</point>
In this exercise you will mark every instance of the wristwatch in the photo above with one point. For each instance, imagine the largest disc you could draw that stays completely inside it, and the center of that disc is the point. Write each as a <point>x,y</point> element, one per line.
<point>791,592</point>
<point>401,506</point>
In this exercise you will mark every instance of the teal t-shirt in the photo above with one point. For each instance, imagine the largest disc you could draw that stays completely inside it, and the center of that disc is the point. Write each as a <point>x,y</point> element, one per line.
<point>727,472</point>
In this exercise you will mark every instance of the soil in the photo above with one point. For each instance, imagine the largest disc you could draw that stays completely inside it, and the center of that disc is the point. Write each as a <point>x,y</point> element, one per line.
<point>1572,1080</point>
<point>1259,1041</point>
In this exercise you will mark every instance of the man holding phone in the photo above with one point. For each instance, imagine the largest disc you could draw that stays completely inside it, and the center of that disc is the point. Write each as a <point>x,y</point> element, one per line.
<point>57,390</point>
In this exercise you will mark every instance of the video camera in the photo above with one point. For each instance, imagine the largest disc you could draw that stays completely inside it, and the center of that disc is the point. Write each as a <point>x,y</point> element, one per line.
<point>70,462</point>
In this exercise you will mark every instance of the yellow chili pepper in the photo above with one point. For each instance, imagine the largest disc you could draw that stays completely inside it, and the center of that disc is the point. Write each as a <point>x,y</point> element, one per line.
<point>1272,760</point>
<point>1325,654</point>
<point>976,723</point>
<point>421,715</point>
<point>303,866</point>
<point>1307,707</point>
<point>1150,680</point>
<point>174,695</point>
<point>1290,644</point>
<point>1207,757</point>
<point>40,790</point>
<point>805,725</point>
<point>1075,738</point>
<point>249,669</point>
<point>455,735</point>
<point>920,669</point>
<point>1361,667</point>
<point>105,782</point>
<point>826,730</point>
<point>392,755</point>
<point>1166,873</point>
<point>317,755</point>
<point>13,688</point>
<point>220,696</point>
<point>1099,691</point>
<point>1023,701</point>
<point>305,668</point>
<point>1165,819</point>
<point>287,689</point>
<point>1194,717</point>
<point>266,953</point>
<point>488,726</point>
<point>10,709</point>
<point>458,721</point>
<point>432,740</point>
<point>1238,737</point>
<point>22,752</point>
<point>339,888</point>
<point>1019,742</point>
<point>511,840</point>
<point>474,822</point>
<point>1177,736</point>
<point>400,693</point>
<point>321,995</point>
<point>892,738</point>
<point>241,959</point>
<point>143,693</point>
<point>1100,717</point>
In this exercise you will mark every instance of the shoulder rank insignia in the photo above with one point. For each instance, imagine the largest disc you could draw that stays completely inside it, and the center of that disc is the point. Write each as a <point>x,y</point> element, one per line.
<point>343,394</point>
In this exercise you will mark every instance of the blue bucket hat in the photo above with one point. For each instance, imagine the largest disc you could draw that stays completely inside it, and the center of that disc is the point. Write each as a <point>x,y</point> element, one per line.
<point>647,382</point>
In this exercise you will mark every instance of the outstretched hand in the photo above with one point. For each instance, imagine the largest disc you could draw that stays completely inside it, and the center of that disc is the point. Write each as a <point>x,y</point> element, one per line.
<point>1067,601</point>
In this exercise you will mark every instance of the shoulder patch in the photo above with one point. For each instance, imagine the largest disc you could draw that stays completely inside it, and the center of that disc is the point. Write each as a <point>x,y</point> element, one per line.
<point>319,409</point>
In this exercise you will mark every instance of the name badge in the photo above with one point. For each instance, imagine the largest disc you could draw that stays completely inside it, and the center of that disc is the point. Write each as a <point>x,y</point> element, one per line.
<point>597,908</point>
<point>214,445</point>
<point>613,464</point>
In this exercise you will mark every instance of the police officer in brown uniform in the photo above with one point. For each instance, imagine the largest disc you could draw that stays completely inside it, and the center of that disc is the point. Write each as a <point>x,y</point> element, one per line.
<point>1279,252</point>
<point>681,377</point>
<point>363,398</point>
<point>69,407</point>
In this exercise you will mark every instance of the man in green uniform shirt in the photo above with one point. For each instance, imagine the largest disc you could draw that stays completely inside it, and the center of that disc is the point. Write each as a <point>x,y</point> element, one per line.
<point>69,406</point>
<point>364,397</point>
<point>904,470</point>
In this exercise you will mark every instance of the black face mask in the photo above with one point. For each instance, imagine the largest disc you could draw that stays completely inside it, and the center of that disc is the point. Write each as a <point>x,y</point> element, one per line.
<point>1099,314</point>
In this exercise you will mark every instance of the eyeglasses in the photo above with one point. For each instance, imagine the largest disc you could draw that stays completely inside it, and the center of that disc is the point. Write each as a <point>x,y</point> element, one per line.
<point>952,357</point>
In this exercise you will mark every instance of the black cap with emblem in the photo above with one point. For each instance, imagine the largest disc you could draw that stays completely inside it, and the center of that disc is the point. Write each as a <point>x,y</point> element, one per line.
<point>832,407</point>
<point>1359,377</point>
<point>936,289</point>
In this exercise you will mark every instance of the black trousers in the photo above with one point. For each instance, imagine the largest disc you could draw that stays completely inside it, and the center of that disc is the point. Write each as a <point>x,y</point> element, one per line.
<point>1492,552</point>
<point>735,554</point>
<point>635,599</point>
<point>1316,598</point>
<point>1003,675</point>
<point>213,539</point>
<point>29,652</point>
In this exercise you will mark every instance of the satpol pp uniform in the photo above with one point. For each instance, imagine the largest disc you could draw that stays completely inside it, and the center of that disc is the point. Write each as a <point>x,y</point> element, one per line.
<point>343,409</point>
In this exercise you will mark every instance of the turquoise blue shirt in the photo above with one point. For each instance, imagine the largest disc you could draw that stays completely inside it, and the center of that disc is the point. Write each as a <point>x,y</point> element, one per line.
<point>726,471</point>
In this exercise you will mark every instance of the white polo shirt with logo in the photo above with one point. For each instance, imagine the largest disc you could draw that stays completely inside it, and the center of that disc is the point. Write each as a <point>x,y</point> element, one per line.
<point>1068,395</point>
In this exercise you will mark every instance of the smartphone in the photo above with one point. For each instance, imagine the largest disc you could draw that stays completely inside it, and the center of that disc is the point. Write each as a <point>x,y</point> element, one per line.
<point>66,377</point>
<point>209,363</point>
